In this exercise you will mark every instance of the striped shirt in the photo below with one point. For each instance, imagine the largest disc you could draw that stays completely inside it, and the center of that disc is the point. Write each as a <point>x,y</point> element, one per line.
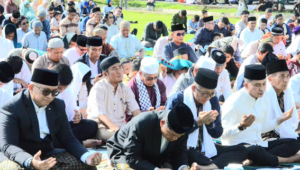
<point>66,26</point>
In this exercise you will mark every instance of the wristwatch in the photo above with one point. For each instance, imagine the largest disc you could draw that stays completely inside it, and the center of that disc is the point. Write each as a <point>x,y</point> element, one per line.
<point>241,128</point>
<point>28,166</point>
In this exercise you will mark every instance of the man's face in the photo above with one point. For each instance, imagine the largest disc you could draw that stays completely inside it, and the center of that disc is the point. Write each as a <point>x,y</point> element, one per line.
<point>94,52</point>
<point>61,88</point>
<point>244,18</point>
<point>10,36</point>
<point>126,68</point>
<point>280,80</point>
<point>115,73</point>
<point>202,95</point>
<point>219,69</point>
<point>51,13</point>
<point>268,15</point>
<point>81,50</point>
<point>71,16</point>
<point>256,88</point>
<point>125,32</point>
<point>178,36</point>
<point>24,25</point>
<point>262,26</point>
<point>205,15</point>
<point>14,20</point>
<point>169,134</point>
<point>72,44</point>
<point>97,16</point>
<point>110,19</point>
<point>276,39</point>
<point>55,54</point>
<point>221,24</point>
<point>252,25</point>
<point>42,19</point>
<point>261,55</point>
<point>37,95</point>
<point>210,25</point>
<point>216,38</point>
<point>149,79</point>
<point>37,30</point>
<point>279,20</point>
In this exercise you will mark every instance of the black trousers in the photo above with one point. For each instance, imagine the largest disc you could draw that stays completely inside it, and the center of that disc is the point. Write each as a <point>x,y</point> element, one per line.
<point>226,155</point>
<point>269,156</point>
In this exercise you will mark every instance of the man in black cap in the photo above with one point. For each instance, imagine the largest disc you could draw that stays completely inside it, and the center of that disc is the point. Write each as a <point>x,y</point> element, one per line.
<point>193,25</point>
<point>279,47</point>
<point>110,99</point>
<point>204,36</point>
<point>180,18</point>
<point>93,59</point>
<point>73,54</point>
<point>153,139</point>
<point>6,75</point>
<point>153,32</point>
<point>93,21</point>
<point>13,19</point>
<point>245,116</point>
<point>200,98</point>
<point>287,34</point>
<point>250,33</point>
<point>31,120</point>
<point>178,36</point>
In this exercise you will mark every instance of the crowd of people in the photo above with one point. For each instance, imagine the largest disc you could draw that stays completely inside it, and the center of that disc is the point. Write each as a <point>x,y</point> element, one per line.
<point>73,77</point>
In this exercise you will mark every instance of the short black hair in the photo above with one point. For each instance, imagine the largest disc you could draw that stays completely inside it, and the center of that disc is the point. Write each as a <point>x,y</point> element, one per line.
<point>10,29</point>
<point>245,12</point>
<point>16,14</point>
<point>298,21</point>
<point>183,12</point>
<point>196,18</point>
<point>125,61</point>
<point>136,64</point>
<point>15,62</point>
<point>71,10</point>
<point>227,49</point>
<point>296,14</point>
<point>74,38</point>
<point>278,16</point>
<point>216,34</point>
<point>1,9</point>
<point>21,19</point>
<point>264,20</point>
<point>103,27</point>
<point>269,10</point>
<point>57,13</point>
<point>204,11</point>
<point>65,75</point>
<point>266,47</point>
<point>118,7</point>
<point>225,20</point>
<point>50,8</point>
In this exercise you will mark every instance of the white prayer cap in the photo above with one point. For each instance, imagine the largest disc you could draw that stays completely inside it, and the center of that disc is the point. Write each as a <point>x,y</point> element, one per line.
<point>204,62</point>
<point>149,65</point>
<point>37,24</point>
<point>56,43</point>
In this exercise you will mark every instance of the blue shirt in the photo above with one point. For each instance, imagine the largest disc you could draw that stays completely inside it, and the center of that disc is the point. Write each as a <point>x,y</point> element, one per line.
<point>64,15</point>
<point>203,37</point>
<point>287,29</point>
<point>232,26</point>
<point>171,46</point>
<point>193,25</point>
<point>83,25</point>
<point>46,27</point>
<point>31,40</point>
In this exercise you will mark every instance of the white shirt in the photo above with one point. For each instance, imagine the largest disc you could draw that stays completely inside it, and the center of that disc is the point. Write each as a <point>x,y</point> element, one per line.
<point>41,116</point>
<point>126,47</point>
<point>25,74</point>
<point>70,103</point>
<point>294,86</point>
<point>294,46</point>
<point>112,30</point>
<point>21,34</point>
<point>72,55</point>
<point>239,26</point>
<point>94,68</point>
<point>5,46</point>
<point>280,49</point>
<point>4,97</point>
<point>159,46</point>
<point>234,108</point>
<point>269,20</point>
<point>169,82</point>
<point>248,36</point>
<point>224,85</point>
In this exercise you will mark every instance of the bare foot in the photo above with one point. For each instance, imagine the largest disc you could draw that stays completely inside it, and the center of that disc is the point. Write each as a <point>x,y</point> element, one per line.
<point>91,143</point>
<point>195,166</point>
<point>247,162</point>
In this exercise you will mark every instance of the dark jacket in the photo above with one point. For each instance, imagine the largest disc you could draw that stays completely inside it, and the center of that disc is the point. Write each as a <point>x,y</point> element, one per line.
<point>138,144</point>
<point>151,35</point>
<point>7,21</point>
<point>177,20</point>
<point>20,135</point>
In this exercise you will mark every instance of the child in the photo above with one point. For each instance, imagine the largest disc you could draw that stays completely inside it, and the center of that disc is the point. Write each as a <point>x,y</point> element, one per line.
<point>263,26</point>
<point>126,65</point>
<point>216,36</point>
<point>135,68</point>
<point>55,23</point>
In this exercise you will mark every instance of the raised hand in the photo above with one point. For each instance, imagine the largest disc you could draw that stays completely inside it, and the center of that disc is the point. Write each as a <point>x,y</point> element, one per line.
<point>247,120</point>
<point>285,116</point>
<point>37,163</point>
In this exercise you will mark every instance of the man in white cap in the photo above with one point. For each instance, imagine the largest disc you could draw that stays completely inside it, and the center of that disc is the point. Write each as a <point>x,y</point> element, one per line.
<point>54,55</point>
<point>35,39</point>
<point>126,44</point>
<point>149,91</point>
<point>46,24</point>
<point>110,99</point>
<point>27,54</point>
<point>187,79</point>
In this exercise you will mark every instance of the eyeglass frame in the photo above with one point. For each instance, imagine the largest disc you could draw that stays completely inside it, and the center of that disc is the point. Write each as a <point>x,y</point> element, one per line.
<point>205,95</point>
<point>51,91</point>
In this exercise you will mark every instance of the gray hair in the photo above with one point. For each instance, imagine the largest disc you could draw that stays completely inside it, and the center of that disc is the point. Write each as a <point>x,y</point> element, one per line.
<point>247,80</point>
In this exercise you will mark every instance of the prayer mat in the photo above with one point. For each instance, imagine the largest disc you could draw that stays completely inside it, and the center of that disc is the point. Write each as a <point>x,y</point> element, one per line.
<point>148,49</point>
<point>10,165</point>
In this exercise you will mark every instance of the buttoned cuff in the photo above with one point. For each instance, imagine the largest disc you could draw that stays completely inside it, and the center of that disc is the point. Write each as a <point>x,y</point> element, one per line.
<point>26,163</point>
<point>86,155</point>
<point>182,166</point>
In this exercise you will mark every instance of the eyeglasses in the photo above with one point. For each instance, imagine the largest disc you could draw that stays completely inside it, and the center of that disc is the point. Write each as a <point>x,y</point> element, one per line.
<point>150,78</point>
<point>111,17</point>
<point>25,23</point>
<point>81,49</point>
<point>180,34</point>
<point>46,92</point>
<point>206,95</point>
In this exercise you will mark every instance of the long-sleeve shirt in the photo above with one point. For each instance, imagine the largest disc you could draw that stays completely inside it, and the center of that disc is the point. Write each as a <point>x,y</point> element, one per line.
<point>286,30</point>
<point>218,30</point>
<point>239,26</point>
<point>151,35</point>
<point>31,40</point>
<point>170,47</point>
<point>112,30</point>
<point>203,37</point>
<point>159,46</point>
<point>46,27</point>
<point>224,86</point>
<point>177,20</point>
<point>248,36</point>
<point>194,25</point>
<point>66,26</point>
<point>83,25</point>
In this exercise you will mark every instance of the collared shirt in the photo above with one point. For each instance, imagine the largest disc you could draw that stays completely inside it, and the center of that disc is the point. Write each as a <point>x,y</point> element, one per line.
<point>42,119</point>
<point>104,100</point>
<point>31,40</point>
<point>190,23</point>
<point>44,62</point>
<point>94,68</point>
<point>126,47</point>
<point>203,37</point>
<point>72,55</point>
<point>112,30</point>
<point>66,26</point>
<point>46,27</point>
<point>248,36</point>
<point>280,101</point>
<point>90,25</point>
<point>280,49</point>
<point>239,26</point>
<point>21,34</point>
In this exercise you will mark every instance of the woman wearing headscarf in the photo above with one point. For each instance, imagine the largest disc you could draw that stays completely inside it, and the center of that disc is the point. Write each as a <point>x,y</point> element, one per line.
<point>108,7</point>
<point>84,9</point>
<point>27,11</point>
<point>44,5</point>
<point>10,33</point>
<point>56,4</point>
<point>10,6</point>
<point>35,4</point>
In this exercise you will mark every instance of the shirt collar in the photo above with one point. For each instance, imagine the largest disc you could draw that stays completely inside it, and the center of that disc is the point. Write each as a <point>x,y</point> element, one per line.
<point>36,108</point>
<point>248,96</point>
<point>110,87</point>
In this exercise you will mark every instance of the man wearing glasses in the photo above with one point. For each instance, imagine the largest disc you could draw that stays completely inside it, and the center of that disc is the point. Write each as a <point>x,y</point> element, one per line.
<point>200,98</point>
<point>178,37</point>
<point>24,28</point>
<point>73,54</point>
<point>153,32</point>
<point>30,122</point>
<point>93,22</point>
<point>13,19</point>
<point>69,24</point>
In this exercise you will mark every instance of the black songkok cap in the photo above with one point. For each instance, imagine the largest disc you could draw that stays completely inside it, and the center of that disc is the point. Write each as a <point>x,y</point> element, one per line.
<point>45,77</point>
<point>181,119</point>
<point>179,51</point>
<point>277,66</point>
<point>94,41</point>
<point>31,55</point>
<point>6,72</point>
<point>251,19</point>
<point>178,27</point>
<point>107,62</point>
<point>277,31</point>
<point>255,72</point>
<point>269,58</point>
<point>207,19</point>
<point>158,24</point>
<point>183,12</point>
<point>81,40</point>
<point>96,9</point>
<point>219,57</point>
<point>206,78</point>
<point>71,10</point>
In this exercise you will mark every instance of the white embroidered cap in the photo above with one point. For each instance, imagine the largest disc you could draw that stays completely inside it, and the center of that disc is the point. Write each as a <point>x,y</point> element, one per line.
<point>149,65</point>
<point>204,62</point>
